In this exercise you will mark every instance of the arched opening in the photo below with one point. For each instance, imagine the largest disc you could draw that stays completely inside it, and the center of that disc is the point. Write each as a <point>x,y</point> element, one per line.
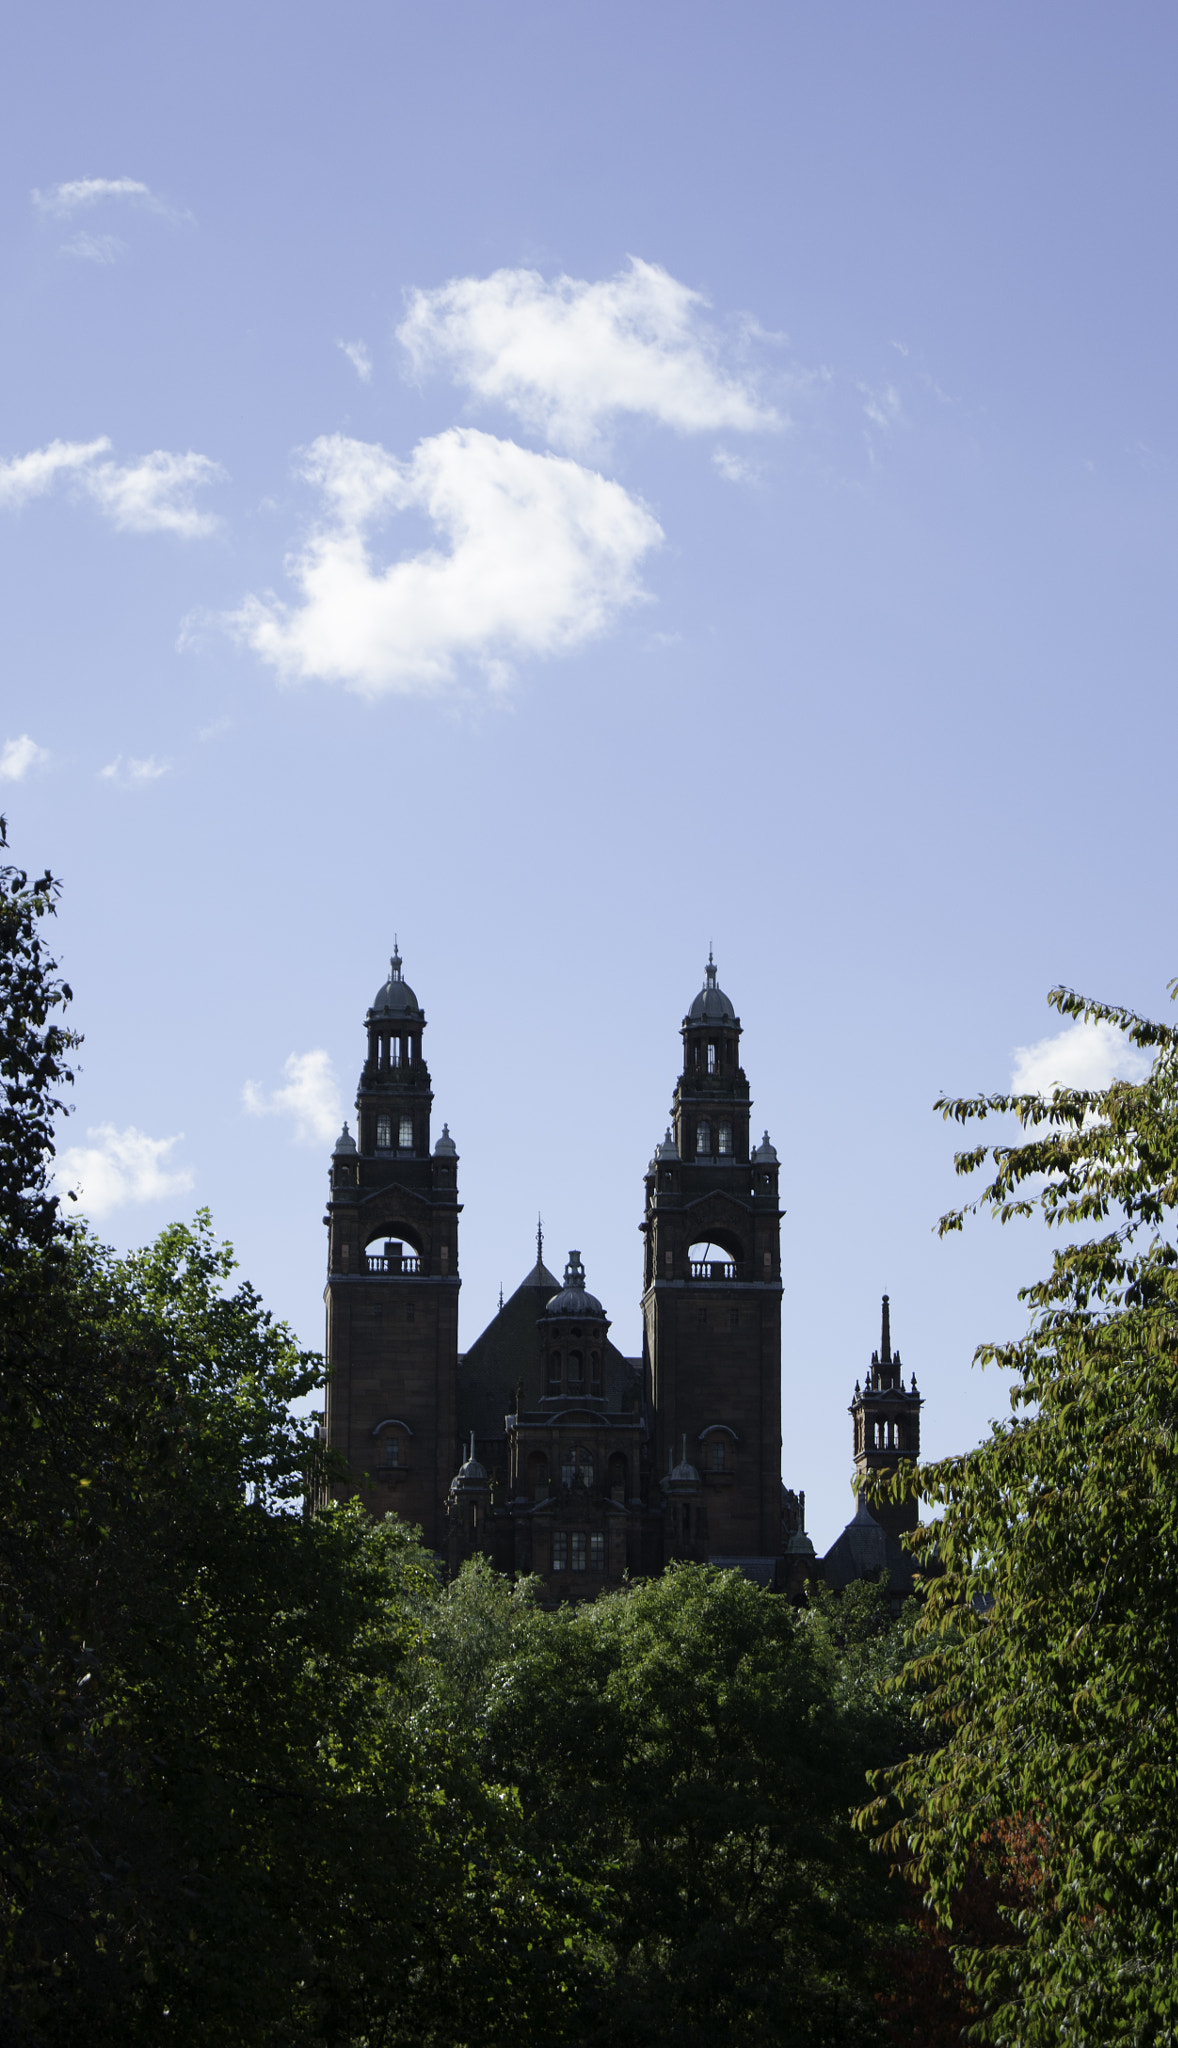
<point>537,1476</point>
<point>392,1439</point>
<point>618,1475</point>
<point>393,1250</point>
<point>718,1257</point>
<point>718,1450</point>
<point>576,1463</point>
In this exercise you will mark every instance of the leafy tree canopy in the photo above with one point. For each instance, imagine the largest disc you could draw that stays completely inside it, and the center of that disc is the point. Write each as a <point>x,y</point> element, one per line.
<point>1047,1649</point>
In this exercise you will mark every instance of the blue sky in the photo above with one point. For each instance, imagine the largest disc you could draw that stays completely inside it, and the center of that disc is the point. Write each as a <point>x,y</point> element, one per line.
<point>564,485</point>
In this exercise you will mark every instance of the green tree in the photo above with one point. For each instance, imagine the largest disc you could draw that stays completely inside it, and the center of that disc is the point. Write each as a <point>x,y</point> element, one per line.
<point>1046,1650</point>
<point>34,1054</point>
<point>682,1749</point>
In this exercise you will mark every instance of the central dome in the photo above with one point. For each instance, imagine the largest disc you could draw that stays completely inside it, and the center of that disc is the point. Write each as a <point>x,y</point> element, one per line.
<point>711,1005</point>
<point>574,1298</point>
<point>396,998</point>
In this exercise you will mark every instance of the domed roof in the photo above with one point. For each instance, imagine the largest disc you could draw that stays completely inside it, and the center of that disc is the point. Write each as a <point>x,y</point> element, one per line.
<point>574,1298</point>
<point>711,1005</point>
<point>395,998</point>
<point>684,1473</point>
<point>471,1472</point>
<point>345,1142</point>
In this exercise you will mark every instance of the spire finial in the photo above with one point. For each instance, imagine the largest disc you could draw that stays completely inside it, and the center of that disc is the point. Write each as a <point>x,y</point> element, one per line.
<point>501,1295</point>
<point>539,1239</point>
<point>710,969</point>
<point>885,1342</point>
<point>395,962</point>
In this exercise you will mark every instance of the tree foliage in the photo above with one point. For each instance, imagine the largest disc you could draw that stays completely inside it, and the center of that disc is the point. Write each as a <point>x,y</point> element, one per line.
<point>1047,1648</point>
<point>34,1054</point>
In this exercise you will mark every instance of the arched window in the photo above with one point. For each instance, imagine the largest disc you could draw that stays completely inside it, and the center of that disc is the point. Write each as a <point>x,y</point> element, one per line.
<point>405,1134</point>
<point>717,1448</point>
<point>554,1372</point>
<point>703,1138</point>
<point>576,1464</point>
<point>595,1374</point>
<point>538,1476</point>
<point>711,1059</point>
<point>576,1369</point>
<point>724,1137</point>
<point>384,1133</point>
<point>617,1477</point>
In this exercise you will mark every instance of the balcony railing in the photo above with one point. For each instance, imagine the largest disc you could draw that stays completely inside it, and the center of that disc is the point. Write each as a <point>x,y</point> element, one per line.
<point>714,1269</point>
<point>396,1262</point>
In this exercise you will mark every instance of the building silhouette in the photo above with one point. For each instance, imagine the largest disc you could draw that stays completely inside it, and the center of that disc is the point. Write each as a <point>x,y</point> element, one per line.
<point>542,1447</point>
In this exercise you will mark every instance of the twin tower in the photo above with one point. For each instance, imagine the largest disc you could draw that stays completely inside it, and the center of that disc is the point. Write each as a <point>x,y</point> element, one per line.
<point>542,1446</point>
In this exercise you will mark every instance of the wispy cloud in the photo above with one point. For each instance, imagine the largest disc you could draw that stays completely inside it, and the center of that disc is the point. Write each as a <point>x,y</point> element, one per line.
<point>358,356</point>
<point>79,195</point>
<point>567,357</point>
<point>882,405</point>
<point>18,756</point>
<point>133,774</point>
<point>118,1168</point>
<point>541,553</point>
<point>1080,1056</point>
<point>95,248</point>
<point>311,1096</point>
<point>31,475</point>
<point>153,494</point>
<point>736,469</point>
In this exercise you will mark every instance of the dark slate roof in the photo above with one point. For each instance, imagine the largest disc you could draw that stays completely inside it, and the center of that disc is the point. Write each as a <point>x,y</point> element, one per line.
<point>508,1351</point>
<point>863,1551</point>
<point>395,998</point>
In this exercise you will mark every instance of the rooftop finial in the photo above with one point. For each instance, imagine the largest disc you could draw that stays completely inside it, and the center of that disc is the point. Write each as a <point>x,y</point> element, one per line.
<point>395,962</point>
<point>885,1342</point>
<point>501,1294</point>
<point>539,1239</point>
<point>710,969</point>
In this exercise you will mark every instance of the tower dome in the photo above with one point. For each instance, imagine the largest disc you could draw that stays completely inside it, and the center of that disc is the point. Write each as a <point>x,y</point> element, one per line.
<point>711,1005</point>
<point>574,1298</point>
<point>395,998</point>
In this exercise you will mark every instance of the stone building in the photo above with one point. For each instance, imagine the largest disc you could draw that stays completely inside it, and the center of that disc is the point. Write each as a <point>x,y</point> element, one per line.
<point>542,1446</point>
<point>885,1419</point>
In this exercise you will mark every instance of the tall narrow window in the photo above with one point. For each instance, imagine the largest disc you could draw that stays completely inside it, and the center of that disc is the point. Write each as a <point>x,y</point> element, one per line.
<point>554,1372</point>
<point>711,1059</point>
<point>405,1136</point>
<point>718,1456</point>
<point>560,1551</point>
<point>724,1137</point>
<point>384,1133</point>
<point>576,1369</point>
<point>597,1553</point>
<point>703,1137</point>
<point>578,1550</point>
<point>394,1052</point>
<point>595,1373</point>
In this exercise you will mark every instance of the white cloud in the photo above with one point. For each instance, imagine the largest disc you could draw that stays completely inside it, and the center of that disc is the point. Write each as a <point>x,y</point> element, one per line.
<point>30,476</point>
<point>736,469</point>
<point>151,495</point>
<point>882,406</point>
<point>1080,1056</point>
<point>77,195</point>
<point>83,192</point>
<point>567,357</point>
<point>541,553</point>
<point>311,1096</point>
<point>358,356</point>
<point>18,756</point>
<point>154,495</point>
<point>133,774</point>
<point>123,1166</point>
<point>95,248</point>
